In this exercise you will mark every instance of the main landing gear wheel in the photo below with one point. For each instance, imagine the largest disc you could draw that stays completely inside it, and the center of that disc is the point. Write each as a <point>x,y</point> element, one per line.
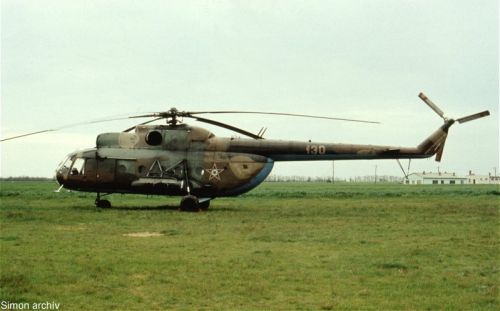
<point>189,203</point>
<point>102,203</point>
<point>204,205</point>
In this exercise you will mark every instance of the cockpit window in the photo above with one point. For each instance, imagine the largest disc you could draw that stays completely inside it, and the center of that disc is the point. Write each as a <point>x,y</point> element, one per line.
<point>78,166</point>
<point>65,164</point>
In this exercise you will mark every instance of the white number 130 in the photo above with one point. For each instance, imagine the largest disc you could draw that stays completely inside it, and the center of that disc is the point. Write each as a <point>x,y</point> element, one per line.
<point>315,149</point>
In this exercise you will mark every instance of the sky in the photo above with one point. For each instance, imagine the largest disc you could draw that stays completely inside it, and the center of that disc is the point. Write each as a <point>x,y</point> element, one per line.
<point>64,62</point>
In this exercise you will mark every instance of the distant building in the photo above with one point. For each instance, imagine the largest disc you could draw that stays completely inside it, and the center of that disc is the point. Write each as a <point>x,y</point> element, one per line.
<point>482,179</point>
<point>430,178</point>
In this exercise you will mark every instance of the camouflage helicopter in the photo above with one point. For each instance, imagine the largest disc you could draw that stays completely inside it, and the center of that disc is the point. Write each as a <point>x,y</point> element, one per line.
<point>177,159</point>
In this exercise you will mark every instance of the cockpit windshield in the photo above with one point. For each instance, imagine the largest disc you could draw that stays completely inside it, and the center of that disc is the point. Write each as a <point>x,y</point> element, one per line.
<point>65,164</point>
<point>73,164</point>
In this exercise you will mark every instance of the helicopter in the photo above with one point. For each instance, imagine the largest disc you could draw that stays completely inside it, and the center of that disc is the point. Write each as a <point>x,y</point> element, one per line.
<point>177,159</point>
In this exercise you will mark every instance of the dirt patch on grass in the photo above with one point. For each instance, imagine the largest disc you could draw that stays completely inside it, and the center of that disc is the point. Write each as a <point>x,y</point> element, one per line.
<point>79,227</point>
<point>143,234</point>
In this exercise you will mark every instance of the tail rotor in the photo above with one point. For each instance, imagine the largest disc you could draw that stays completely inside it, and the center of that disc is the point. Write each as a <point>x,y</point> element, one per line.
<point>441,113</point>
<point>435,143</point>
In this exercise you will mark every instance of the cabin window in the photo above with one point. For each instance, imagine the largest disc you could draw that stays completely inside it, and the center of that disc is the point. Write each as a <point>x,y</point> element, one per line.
<point>141,170</point>
<point>78,166</point>
<point>434,182</point>
<point>452,182</point>
<point>125,167</point>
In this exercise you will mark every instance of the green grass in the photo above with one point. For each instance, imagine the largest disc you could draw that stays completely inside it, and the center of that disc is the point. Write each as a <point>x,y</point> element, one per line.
<point>282,246</point>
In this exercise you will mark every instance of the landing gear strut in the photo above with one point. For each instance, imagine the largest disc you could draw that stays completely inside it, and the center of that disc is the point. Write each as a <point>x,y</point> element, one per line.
<point>101,203</point>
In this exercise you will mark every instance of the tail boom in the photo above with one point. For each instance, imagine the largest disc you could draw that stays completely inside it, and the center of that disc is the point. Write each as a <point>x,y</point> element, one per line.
<point>278,150</point>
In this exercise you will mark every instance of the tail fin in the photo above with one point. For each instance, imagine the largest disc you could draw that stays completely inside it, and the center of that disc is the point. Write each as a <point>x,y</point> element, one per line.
<point>434,144</point>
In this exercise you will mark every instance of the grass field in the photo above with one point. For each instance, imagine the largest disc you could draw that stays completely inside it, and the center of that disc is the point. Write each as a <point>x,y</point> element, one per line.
<point>283,246</point>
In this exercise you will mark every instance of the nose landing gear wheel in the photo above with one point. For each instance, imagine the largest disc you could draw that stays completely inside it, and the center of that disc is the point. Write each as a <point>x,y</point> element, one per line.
<point>189,203</point>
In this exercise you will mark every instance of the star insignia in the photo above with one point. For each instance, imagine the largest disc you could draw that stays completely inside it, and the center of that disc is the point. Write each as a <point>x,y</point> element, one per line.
<point>214,172</point>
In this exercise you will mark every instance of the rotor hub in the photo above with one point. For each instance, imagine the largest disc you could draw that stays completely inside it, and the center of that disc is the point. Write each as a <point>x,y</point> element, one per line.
<point>172,115</point>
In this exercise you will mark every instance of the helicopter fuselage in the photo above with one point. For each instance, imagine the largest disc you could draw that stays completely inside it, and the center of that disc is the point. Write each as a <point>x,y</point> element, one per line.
<point>181,160</point>
<point>167,160</point>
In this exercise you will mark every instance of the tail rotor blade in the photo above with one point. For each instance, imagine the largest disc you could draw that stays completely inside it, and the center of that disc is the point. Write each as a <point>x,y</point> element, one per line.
<point>431,105</point>
<point>474,116</point>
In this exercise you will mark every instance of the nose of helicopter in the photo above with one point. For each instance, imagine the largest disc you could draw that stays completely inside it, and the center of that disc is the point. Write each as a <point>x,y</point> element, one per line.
<point>63,169</point>
<point>59,177</point>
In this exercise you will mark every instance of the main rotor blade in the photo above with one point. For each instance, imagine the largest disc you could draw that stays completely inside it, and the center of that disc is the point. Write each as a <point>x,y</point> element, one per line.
<point>64,127</point>
<point>149,115</point>
<point>431,104</point>
<point>171,113</point>
<point>143,123</point>
<point>29,134</point>
<point>226,126</point>
<point>473,116</point>
<point>283,114</point>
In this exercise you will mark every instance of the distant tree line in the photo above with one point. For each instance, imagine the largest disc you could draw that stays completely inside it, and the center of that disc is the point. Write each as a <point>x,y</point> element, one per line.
<point>26,178</point>
<point>355,179</point>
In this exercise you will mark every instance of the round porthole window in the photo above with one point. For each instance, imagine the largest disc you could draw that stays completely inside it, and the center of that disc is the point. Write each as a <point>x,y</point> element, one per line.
<point>154,138</point>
